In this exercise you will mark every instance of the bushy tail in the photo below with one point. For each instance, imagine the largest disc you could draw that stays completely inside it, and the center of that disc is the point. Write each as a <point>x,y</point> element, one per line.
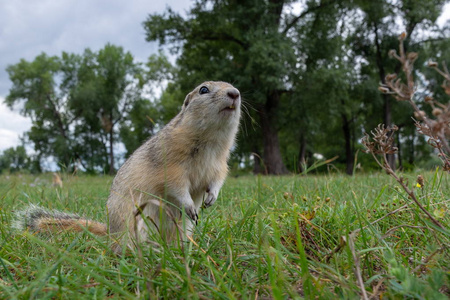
<point>38,219</point>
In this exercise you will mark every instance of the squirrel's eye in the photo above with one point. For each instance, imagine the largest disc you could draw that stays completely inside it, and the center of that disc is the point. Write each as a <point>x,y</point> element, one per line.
<point>203,90</point>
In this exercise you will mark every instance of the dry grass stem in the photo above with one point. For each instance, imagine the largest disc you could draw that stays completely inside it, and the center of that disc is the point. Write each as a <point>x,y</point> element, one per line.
<point>377,290</point>
<point>390,231</point>
<point>357,267</point>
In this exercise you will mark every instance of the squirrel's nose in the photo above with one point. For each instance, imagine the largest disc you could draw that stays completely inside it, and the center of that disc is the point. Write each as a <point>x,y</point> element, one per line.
<point>233,93</point>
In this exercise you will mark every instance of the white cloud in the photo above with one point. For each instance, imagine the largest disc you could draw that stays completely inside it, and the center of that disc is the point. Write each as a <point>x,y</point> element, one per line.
<point>445,16</point>
<point>28,28</point>
<point>12,125</point>
<point>8,139</point>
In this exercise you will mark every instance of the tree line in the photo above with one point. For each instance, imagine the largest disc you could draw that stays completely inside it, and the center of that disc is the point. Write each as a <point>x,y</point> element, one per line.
<point>308,77</point>
<point>81,106</point>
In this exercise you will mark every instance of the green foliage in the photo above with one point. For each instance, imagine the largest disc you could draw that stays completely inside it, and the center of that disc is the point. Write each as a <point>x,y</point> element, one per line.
<point>138,125</point>
<point>105,90</point>
<point>170,103</point>
<point>35,88</point>
<point>245,47</point>
<point>81,106</point>
<point>313,75</point>
<point>266,237</point>
<point>308,80</point>
<point>14,159</point>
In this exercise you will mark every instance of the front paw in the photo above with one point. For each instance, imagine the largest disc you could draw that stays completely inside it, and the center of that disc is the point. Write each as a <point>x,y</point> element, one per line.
<point>192,213</point>
<point>210,199</point>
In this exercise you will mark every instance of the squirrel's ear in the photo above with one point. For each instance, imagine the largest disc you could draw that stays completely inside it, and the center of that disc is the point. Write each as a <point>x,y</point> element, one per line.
<point>187,99</point>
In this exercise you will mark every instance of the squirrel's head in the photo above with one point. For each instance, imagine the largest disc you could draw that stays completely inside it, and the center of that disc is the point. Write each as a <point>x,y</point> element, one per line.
<point>214,103</point>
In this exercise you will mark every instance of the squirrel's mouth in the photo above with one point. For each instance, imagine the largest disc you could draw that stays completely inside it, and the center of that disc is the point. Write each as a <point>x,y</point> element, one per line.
<point>229,108</point>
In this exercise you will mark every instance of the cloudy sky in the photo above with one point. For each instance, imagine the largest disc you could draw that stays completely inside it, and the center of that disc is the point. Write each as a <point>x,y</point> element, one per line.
<point>29,27</point>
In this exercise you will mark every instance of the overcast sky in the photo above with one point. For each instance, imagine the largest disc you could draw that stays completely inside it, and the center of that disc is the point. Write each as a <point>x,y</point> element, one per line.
<point>30,27</point>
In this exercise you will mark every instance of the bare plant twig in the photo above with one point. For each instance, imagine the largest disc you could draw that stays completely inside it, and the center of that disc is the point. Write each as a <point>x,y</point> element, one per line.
<point>437,129</point>
<point>382,144</point>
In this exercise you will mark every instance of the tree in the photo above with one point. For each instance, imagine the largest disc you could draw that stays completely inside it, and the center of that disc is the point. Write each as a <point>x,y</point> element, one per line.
<point>107,86</point>
<point>138,125</point>
<point>248,44</point>
<point>336,85</point>
<point>325,86</point>
<point>307,74</point>
<point>35,87</point>
<point>378,33</point>
<point>14,159</point>
<point>82,105</point>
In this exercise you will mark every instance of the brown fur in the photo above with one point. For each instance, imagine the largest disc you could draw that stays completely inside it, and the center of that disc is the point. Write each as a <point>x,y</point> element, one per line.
<point>178,169</point>
<point>185,162</point>
<point>57,225</point>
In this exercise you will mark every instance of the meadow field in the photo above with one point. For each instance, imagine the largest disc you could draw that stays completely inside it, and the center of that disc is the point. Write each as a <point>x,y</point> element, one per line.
<point>289,237</point>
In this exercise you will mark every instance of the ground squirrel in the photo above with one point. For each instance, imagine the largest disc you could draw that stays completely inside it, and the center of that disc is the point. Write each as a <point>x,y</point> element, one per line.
<point>181,167</point>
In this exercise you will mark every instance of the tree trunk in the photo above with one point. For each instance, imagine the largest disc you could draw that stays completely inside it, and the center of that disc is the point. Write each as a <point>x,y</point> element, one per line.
<point>272,154</point>
<point>411,149</point>
<point>37,167</point>
<point>111,152</point>
<point>349,160</point>
<point>387,112</point>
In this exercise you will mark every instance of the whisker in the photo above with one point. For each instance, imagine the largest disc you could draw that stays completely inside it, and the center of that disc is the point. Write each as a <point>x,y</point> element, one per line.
<point>248,105</point>
<point>245,108</point>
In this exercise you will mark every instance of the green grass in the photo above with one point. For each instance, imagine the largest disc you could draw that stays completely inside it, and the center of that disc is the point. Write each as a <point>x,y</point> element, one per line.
<point>266,237</point>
